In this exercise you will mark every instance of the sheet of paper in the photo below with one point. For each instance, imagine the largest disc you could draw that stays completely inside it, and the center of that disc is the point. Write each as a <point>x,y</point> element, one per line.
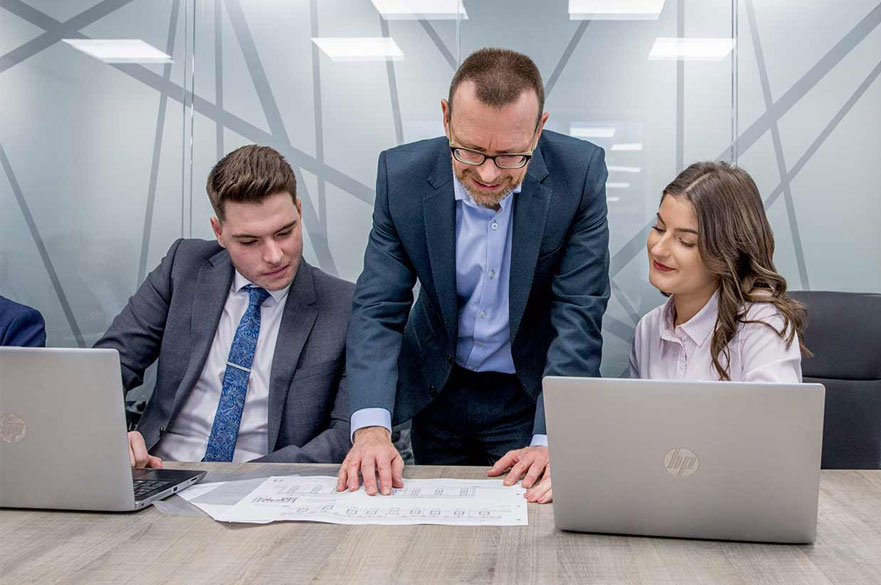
<point>421,501</point>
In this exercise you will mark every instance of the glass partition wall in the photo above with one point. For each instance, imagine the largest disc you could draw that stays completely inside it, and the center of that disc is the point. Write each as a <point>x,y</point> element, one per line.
<point>114,112</point>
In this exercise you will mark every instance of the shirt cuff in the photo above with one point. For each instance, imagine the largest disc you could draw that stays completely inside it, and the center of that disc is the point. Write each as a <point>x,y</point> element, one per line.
<point>370,417</point>
<point>539,441</point>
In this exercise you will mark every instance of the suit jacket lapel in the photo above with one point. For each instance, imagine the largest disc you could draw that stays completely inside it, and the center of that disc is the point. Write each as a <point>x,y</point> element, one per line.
<point>297,321</point>
<point>531,207</point>
<point>212,289</point>
<point>439,211</point>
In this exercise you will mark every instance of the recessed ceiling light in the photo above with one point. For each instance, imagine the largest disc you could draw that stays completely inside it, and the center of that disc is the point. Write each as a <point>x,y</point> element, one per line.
<point>420,9</point>
<point>627,146</point>
<point>359,48</point>
<point>617,185</point>
<point>617,169</point>
<point>579,131</point>
<point>119,50</point>
<point>615,9</point>
<point>692,49</point>
<point>613,199</point>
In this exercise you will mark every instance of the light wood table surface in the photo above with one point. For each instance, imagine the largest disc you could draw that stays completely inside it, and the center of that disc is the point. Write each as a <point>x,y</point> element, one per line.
<point>155,548</point>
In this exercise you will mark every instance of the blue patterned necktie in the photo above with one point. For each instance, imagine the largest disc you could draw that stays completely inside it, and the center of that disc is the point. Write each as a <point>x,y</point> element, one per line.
<point>225,431</point>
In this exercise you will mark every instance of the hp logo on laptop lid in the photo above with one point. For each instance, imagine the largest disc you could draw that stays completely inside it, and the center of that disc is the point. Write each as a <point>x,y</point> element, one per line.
<point>12,428</point>
<point>681,462</point>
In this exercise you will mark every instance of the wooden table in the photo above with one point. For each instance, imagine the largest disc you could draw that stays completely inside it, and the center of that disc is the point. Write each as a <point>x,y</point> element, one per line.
<point>152,547</point>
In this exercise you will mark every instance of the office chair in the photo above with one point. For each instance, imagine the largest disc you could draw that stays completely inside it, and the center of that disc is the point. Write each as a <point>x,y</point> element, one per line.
<point>844,333</point>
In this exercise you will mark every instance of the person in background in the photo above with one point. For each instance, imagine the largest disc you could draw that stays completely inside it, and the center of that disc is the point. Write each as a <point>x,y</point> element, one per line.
<point>20,325</point>
<point>250,338</point>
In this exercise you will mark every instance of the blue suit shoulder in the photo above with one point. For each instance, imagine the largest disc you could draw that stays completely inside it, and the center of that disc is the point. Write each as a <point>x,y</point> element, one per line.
<point>21,325</point>
<point>416,155</point>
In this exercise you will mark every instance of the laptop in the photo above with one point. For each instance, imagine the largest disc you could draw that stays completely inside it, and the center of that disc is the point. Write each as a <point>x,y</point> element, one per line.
<point>711,460</point>
<point>63,438</point>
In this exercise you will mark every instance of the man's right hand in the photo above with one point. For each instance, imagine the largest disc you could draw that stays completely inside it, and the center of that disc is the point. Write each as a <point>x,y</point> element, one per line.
<point>372,454</point>
<point>137,452</point>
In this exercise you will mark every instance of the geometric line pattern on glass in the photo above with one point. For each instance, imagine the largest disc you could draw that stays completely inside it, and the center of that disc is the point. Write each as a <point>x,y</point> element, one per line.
<point>782,171</point>
<point>41,247</point>
<point>157,146</point>
<point>439,43</point>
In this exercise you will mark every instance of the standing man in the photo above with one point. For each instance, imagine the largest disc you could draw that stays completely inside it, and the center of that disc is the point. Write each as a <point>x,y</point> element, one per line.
<point>250,338</point>
<point>505,229</point>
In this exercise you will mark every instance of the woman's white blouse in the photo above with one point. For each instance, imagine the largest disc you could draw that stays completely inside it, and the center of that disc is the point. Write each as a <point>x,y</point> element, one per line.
<point>758,354</point>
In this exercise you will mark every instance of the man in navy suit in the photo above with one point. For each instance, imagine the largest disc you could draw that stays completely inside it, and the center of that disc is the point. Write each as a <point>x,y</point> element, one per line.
<point>20,325</point>
<point>504,227</point>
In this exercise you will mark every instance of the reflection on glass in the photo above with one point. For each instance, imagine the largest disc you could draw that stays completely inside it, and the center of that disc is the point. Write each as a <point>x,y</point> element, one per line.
<point>615,9</point>
<point>692,49</point>
<point>420,9</point>
<point>119,50</point>
<point>360,48</point>
<point>577,130</point>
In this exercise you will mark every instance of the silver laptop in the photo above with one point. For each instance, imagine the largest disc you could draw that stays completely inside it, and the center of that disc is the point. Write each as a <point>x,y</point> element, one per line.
<point>63,438</point>
<point>715,460</point>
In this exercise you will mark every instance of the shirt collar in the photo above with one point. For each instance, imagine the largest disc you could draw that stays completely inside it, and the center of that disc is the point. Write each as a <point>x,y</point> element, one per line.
<point>240,282</point>
<point>698,328</point>
<point>463,195</point>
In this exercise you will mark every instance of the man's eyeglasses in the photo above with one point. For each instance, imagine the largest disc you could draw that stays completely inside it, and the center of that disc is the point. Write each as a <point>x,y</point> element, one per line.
<point>502,161</point>
<point>469,156</point>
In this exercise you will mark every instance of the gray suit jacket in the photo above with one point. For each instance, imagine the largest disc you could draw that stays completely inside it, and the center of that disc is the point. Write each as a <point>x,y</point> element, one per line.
<point>174,315</point>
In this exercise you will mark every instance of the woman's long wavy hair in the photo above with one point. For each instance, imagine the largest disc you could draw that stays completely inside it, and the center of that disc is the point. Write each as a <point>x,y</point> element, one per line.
<point>736,245</point>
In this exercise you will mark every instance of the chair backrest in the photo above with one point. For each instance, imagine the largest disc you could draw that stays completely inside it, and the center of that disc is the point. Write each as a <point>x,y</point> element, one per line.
<point>844,334</point>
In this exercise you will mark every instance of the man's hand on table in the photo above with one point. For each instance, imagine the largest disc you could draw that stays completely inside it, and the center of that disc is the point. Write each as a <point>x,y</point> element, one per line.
<point>138,455</point>
<point>533,465</point>
<point>372,454</point>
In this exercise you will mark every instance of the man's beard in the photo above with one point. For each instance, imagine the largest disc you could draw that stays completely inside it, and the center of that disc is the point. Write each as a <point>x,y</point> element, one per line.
<point>488,198</point>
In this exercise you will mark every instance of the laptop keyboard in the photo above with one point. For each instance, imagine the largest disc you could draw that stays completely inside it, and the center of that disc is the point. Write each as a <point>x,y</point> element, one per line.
<point>146,488</point>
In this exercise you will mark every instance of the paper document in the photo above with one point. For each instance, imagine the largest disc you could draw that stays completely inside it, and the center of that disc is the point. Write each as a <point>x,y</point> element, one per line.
<point>459,502</point>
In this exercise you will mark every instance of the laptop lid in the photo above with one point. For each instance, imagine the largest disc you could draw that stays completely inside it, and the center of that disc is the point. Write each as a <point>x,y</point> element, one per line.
<point>717,460</point>
<point>63,438</point>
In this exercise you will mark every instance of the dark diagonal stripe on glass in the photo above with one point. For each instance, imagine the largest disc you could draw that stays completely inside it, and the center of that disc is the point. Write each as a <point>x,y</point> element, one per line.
<point>41,247</point>
<point>157,145</point>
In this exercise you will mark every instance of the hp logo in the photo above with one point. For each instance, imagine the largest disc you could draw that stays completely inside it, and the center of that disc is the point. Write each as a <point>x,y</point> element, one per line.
<point>12,428</point>
<point>681,462</point>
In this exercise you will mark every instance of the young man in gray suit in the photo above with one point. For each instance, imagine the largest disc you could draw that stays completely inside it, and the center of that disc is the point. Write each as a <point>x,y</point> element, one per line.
<point>504,226</point>
<point>250,338</point>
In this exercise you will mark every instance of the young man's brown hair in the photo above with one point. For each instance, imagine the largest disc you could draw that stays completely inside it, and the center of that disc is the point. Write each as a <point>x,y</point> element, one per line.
<point>249,174</point>
<point>499,76</point>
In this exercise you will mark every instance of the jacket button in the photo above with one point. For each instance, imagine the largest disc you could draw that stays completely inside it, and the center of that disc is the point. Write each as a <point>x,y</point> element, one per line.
<point>432,390</point>
<point>449,359</point>
<point>161,429</point>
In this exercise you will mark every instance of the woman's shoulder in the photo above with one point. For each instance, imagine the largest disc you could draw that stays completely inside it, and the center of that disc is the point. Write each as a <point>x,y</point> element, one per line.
<point>651,321</point>
<point>759,314</point>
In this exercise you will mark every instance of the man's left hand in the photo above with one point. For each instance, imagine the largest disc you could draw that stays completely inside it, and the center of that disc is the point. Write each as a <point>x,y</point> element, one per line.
<point>529,463</point>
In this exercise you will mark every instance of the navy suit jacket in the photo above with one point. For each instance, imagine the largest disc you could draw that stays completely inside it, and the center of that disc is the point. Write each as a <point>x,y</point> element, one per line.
<point>400,359</point>
<point>20,325</point>
<point>173,317</point>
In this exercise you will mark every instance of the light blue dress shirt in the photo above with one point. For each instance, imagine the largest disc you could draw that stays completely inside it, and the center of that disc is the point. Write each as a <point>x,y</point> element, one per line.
<point>483,265</point>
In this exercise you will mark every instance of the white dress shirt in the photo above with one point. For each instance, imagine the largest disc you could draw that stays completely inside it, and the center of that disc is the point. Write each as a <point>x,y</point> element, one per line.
<point>187,437</point>
<point>662,351</point>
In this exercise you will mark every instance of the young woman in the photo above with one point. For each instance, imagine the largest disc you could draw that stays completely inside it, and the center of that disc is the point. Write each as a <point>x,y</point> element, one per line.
<point>728,317</point>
